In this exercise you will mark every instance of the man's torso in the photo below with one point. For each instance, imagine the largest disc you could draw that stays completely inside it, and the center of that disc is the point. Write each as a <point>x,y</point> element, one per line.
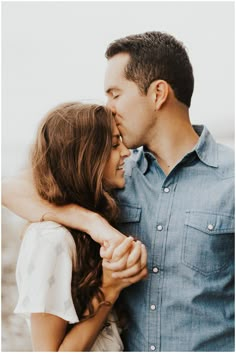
<point>186,222</point>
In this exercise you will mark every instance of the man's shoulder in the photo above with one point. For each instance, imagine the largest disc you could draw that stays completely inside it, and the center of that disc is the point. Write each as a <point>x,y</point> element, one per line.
<point>226,161</point>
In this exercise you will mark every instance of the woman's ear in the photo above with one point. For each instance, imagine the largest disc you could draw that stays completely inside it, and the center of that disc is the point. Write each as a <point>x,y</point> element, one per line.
<point>160,91</point>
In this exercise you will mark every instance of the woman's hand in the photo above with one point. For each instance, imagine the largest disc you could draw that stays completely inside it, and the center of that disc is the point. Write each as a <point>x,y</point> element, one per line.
<point>128,260</point>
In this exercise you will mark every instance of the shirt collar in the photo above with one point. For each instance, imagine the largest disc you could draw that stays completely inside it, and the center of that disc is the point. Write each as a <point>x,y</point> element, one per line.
<point>142,160</point>
<point>206,150</point>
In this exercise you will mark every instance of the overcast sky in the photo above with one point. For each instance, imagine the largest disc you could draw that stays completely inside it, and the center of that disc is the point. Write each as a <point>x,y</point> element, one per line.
<point>53,52</point>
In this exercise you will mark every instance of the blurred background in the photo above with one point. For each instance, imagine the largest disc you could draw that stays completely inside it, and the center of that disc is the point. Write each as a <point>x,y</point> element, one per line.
<point>53,52</point>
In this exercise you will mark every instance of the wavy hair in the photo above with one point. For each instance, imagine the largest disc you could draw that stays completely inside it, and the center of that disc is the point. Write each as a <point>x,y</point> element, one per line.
<point>72,147</point>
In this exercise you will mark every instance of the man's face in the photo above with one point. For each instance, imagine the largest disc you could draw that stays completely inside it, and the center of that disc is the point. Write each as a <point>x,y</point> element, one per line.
<point>134,113</point>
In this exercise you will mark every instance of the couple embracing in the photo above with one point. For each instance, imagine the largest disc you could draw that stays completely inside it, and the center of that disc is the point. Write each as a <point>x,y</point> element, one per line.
<point>128,250</point>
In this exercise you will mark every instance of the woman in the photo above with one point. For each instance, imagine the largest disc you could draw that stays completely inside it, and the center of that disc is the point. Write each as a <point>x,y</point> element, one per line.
<point>65,291</point>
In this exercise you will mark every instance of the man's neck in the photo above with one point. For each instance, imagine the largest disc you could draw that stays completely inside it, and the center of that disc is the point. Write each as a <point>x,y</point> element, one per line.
<point>172,138</point>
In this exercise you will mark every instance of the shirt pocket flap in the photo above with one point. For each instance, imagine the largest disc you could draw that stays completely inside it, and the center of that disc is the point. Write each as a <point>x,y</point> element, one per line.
<point>210,223</point>
<point>129,213</point>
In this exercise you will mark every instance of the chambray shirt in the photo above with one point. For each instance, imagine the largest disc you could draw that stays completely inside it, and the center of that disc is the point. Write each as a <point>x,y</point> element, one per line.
<point>186,221</point>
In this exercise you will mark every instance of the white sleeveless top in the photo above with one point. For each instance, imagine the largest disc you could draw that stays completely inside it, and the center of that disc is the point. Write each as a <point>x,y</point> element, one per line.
<point>43,275</point>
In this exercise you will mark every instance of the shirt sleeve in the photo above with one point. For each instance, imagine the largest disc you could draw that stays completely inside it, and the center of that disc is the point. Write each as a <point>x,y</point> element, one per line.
<point>44,271</point>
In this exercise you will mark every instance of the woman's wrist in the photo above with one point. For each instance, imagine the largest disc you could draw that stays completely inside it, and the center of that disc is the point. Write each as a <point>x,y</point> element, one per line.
<point>111,294</point>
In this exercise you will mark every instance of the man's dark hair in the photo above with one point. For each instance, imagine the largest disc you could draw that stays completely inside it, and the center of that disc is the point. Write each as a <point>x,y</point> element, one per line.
<point>153,56</point>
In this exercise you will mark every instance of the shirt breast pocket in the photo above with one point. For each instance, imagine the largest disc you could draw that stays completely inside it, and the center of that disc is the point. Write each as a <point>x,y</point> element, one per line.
<point>208,241</point>
<point>129,219</point>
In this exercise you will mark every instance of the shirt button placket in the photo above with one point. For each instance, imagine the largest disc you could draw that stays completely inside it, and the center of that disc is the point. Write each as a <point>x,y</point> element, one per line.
<point>155,270</point>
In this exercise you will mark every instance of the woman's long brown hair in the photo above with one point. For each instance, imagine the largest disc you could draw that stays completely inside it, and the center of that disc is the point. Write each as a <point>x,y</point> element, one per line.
<point>73,145</point>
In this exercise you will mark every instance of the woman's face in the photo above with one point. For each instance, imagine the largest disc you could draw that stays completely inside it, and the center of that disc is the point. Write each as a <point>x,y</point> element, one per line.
<point>114,169</point>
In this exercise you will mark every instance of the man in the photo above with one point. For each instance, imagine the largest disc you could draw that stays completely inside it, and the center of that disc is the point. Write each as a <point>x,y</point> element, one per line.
<point>178,200</point>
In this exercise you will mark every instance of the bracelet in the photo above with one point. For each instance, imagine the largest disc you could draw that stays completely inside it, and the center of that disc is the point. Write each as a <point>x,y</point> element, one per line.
<point>44,215</point>
<point>105,303</point>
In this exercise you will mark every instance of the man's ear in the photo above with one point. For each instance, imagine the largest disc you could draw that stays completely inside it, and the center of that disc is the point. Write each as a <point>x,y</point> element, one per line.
<point>160,91</point>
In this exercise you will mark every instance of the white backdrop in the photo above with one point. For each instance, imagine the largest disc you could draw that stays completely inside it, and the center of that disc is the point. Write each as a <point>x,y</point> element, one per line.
<point>53,52</point>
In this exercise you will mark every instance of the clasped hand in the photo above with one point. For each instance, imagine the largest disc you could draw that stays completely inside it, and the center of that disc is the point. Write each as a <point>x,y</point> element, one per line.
<point>125,263</point>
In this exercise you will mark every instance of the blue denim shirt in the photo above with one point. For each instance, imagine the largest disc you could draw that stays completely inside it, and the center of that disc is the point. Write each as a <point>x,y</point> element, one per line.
<point>186,221</point>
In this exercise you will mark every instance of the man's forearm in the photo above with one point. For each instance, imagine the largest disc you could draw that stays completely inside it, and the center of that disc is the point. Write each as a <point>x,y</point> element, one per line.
<point>21,197</point>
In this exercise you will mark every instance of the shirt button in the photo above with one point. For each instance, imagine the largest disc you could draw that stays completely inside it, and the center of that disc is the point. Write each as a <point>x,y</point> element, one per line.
<point>210,226</point>
<point>153,307</point>
<point>155,269</point>
<point>166,190</point>
<point>159,227</point>
<point>152,348</point>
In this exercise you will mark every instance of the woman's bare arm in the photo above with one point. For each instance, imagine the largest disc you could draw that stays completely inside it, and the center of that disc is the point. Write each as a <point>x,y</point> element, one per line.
<point>49,331</point>
<point>21,197</point>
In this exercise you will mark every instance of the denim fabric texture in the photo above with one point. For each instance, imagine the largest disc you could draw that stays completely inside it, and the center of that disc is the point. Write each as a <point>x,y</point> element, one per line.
<point>186,221</point>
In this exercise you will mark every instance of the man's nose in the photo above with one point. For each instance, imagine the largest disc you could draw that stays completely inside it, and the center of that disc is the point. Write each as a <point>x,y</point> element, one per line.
<point>110,105</point>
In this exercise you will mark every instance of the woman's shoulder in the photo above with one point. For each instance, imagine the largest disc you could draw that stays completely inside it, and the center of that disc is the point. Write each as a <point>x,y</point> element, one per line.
<point>44,268</point>
<point>50,234</point>
<point>44,229</point>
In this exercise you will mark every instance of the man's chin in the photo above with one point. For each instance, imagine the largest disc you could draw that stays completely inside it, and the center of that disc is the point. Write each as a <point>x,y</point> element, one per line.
<point>133,146</point>
<point>130,144</point>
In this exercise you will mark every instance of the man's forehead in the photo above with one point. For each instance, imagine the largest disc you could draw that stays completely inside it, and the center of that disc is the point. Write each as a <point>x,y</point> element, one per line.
<point>115,75</point>
<point>117,63</point>
<point>112,83</point>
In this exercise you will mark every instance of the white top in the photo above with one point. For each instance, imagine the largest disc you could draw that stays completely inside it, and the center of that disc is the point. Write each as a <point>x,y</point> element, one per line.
<point>43,275</point>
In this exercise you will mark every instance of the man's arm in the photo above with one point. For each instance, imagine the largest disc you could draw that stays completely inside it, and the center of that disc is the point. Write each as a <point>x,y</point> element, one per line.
<point>20,196</point>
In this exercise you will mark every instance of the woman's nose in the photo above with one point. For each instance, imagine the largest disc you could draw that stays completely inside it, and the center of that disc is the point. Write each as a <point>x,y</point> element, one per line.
<point>125,152</point>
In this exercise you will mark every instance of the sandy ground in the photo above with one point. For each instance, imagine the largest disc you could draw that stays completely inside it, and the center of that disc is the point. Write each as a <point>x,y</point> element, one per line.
<point>15,333</point>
